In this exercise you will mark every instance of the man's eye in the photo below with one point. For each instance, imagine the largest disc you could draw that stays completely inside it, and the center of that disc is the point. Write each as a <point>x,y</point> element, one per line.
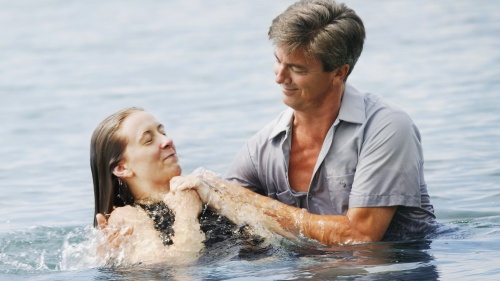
<point>299,70</point>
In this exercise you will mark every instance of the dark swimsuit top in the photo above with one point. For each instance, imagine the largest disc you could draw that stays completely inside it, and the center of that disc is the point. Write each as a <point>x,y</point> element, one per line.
<point>217,228</point>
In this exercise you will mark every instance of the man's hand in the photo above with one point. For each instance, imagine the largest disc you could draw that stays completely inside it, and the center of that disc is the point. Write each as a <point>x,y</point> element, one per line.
<point>102,222</point>
<point>114,235</point>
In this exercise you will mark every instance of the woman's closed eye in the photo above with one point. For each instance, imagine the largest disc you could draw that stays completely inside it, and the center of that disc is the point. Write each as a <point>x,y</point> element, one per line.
<point>147,138</point>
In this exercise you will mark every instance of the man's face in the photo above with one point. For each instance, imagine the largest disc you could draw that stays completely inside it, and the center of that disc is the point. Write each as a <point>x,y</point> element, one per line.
<point>304,84</point>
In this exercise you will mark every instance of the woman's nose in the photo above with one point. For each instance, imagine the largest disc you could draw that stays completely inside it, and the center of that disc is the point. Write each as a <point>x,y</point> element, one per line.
<point>166,141</point>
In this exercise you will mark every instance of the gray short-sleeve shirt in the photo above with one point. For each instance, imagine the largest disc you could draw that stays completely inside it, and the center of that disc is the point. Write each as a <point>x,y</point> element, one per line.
<point>371,157</point>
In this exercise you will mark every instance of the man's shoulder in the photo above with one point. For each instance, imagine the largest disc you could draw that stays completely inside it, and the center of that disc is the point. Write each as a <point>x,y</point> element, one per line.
<point>375,112</point>
<point>385,116</point>
<point>378,108</point>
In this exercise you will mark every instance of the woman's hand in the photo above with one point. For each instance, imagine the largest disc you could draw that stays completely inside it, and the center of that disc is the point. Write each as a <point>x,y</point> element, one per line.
<point>181,183</point>
<point>186,204</point>
<point>208,194</point>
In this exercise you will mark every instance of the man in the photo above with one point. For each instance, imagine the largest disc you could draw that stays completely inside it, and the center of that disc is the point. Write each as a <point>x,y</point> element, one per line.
<point>353,161</point>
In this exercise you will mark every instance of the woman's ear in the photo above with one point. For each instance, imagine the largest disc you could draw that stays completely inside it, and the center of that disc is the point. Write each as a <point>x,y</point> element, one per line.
<point>122,172</point>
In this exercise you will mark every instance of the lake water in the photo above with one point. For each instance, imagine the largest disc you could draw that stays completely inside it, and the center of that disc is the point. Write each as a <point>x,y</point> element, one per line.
<point>205,69</point>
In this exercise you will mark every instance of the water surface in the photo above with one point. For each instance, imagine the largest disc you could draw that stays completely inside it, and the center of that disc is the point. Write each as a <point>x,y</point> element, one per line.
<point>205,69</point>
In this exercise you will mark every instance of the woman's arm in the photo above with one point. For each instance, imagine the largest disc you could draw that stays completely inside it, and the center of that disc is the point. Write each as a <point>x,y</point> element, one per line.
<point>188,237</point>
<point>134,238</point>
<point>130,236</point>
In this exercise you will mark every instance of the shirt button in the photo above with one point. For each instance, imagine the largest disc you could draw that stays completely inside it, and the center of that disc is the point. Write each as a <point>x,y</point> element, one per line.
<point>310,195</point>
<point>343,183</point>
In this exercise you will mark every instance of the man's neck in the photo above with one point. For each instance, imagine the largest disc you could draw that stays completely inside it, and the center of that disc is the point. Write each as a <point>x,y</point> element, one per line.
<point>317,122</point>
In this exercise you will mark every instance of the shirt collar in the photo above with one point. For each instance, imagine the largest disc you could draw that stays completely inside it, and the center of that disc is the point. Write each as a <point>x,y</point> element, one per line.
<point>284,122</point>
<point>352,109</point>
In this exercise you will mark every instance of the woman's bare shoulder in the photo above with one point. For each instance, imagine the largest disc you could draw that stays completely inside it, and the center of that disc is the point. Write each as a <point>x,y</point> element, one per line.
<point>128,214</point>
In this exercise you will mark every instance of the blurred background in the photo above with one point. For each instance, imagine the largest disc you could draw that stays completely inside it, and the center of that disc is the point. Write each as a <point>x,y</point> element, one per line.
<point>204,68</point>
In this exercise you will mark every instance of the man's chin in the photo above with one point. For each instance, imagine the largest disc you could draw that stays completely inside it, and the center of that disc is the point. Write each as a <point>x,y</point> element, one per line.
<point>288,101</point>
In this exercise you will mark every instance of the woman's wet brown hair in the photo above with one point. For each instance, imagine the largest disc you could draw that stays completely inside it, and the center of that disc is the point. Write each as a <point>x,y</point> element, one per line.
<point>106,151</point>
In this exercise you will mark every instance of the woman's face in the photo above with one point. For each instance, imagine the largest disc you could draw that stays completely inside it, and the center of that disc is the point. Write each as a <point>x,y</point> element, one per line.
<point>150,154</point>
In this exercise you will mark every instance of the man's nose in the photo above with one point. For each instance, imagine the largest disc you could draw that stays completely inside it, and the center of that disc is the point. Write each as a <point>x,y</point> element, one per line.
<point>281,73</point>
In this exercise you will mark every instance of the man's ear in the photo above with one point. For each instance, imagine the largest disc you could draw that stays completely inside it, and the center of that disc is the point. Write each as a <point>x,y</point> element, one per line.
<point>341,72</point>
<point>122,172</point>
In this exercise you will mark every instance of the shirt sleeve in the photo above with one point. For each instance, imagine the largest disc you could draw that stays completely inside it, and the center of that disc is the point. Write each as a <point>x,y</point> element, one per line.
<point>243,171</point>
<point>390,163</point>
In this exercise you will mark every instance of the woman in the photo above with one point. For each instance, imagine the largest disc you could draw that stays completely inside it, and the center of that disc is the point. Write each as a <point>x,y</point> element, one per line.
<point>132,163</point>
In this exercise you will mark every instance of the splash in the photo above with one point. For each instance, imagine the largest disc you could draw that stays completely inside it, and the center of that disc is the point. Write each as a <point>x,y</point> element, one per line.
<point>79,249</point>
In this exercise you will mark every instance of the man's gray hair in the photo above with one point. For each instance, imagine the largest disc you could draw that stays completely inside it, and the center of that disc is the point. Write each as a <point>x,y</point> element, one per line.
<point>323,29</point>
